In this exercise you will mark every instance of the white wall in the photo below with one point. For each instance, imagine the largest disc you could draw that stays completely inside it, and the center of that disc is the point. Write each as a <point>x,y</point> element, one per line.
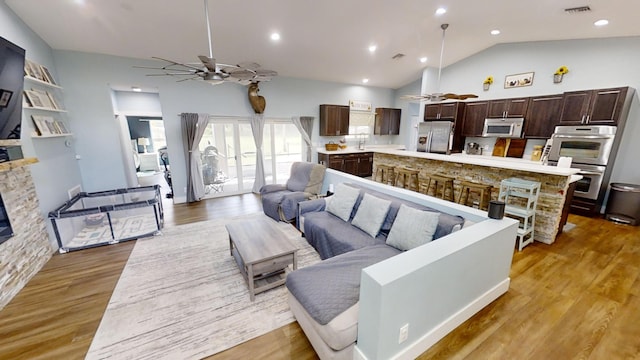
<point>593,64</point>
<point>88,79</point>
<point>57,169</point>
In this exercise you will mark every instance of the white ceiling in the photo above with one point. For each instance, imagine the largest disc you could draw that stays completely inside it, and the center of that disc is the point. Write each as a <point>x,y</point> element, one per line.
<point>321,39</point>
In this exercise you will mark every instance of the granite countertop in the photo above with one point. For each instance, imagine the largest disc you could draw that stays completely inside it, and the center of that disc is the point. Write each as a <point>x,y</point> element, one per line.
<point>497,162</point>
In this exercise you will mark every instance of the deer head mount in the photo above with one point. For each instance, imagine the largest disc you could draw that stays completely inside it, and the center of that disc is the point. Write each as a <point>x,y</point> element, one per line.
<point>258,103</point>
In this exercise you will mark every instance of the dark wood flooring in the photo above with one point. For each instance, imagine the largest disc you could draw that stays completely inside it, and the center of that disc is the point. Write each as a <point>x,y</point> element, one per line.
<point>578,298</point>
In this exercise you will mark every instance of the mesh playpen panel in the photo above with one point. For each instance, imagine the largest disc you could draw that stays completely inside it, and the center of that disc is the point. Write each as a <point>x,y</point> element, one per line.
<point>107,217</point>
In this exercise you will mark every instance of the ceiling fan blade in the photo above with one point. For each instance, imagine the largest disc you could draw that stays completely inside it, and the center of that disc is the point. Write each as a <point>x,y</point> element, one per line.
<point>266,73</point>
<point>243,74</point>
<point>171,74</point>
<point>209,63</point>
<point>467,96</point>
<point>249,65</point>
<point>176,63</point>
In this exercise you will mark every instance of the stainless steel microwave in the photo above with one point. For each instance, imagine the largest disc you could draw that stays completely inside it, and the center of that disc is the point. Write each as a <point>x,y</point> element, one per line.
<point>503,127</point>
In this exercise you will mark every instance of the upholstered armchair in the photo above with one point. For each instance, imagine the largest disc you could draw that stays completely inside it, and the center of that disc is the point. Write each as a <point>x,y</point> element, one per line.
<point>280,202</point>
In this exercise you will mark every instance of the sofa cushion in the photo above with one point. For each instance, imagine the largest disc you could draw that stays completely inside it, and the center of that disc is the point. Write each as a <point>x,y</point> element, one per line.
<point>412,228</point>
<point>371,214</point>
<point>332,236</point>
<point>446,222</point>
<point>330,287</point>
<point>342,201</point>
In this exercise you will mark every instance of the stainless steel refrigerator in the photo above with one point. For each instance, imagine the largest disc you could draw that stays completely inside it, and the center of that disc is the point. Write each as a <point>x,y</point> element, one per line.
<point>435,136</point>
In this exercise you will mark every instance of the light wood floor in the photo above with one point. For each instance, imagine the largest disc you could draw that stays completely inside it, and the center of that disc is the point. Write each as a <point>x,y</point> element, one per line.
<point>578,298</point>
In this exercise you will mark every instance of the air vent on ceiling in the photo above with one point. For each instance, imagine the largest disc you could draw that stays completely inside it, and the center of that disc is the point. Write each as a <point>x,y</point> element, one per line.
<point>578,9</point>
<point>398,56</point>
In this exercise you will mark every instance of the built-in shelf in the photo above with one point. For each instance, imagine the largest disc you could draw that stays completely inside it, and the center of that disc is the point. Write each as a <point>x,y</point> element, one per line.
<point>50,136</point>
<point>44,109</point>
<point>10,165</point>
<point>43,83</point>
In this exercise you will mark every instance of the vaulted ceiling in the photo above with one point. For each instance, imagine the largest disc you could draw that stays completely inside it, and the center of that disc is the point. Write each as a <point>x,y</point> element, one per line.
<point>322,40</point>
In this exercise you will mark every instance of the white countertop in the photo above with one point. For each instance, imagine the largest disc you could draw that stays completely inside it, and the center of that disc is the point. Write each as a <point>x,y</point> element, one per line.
<point>497,162</point>
<point>355,150</point>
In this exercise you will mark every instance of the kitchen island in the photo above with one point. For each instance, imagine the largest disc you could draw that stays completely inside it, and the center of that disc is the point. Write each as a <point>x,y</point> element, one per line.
<point>554,190</point>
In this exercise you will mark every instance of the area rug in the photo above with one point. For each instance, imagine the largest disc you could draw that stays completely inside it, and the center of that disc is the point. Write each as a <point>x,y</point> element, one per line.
<point>181,296</point>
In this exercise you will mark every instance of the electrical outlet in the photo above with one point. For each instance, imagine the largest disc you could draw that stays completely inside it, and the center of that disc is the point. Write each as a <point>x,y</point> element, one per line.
<point>404,333</point>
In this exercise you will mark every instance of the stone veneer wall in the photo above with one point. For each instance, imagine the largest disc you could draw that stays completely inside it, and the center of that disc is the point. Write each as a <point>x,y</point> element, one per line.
<point>24,254</point>
<point>550,200</point>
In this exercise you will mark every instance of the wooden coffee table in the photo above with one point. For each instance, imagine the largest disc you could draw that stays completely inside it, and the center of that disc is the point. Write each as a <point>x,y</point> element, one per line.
<point>262,253</point>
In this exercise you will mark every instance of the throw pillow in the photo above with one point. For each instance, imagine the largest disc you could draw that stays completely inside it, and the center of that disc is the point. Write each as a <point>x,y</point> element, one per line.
<point>370,214</point>
<point>344,197</point>
<point>412,228</point>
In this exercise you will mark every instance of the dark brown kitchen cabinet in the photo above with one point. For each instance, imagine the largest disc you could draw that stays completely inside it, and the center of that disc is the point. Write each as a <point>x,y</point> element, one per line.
<point>473,119</point>
<point>593,107</point>
<point>334,120</point>
<point>359,164</point>
<point>542,116</point>
<point>443,111</point>
<point>387,121</point>
<point>505,108</point>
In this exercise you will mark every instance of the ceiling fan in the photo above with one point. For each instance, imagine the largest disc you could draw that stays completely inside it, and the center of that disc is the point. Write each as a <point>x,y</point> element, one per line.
<point>440,96</point>
<point>210,71</point>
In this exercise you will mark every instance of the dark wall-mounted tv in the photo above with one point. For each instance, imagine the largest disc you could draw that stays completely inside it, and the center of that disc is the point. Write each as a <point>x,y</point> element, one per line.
<point>11,86</point>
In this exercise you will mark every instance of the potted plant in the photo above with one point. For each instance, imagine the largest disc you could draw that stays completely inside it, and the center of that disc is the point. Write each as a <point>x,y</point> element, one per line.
<point>557,76</point>
<point>487,82</point>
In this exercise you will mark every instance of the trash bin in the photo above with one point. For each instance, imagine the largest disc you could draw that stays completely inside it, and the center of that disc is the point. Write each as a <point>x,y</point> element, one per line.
<point>623,205</point>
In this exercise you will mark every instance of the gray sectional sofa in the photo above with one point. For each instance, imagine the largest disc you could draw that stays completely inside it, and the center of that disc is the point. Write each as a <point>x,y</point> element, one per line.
<point>330,289</point>
<point>353,303</point>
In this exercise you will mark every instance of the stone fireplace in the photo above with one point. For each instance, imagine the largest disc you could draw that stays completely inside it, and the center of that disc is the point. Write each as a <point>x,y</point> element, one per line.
<point>26,252</point>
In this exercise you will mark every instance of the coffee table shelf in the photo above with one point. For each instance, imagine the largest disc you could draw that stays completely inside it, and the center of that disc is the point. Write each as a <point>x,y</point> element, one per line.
<point>262,252</point>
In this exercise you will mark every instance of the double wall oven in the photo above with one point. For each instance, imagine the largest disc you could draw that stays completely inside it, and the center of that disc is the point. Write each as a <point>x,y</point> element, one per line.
<point>590,148</point>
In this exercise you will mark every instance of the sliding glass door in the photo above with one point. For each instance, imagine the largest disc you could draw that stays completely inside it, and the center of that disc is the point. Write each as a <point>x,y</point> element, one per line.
<point>229,154</point>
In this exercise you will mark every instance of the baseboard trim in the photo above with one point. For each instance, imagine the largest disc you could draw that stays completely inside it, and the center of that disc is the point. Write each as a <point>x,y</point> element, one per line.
<point>429,339</point>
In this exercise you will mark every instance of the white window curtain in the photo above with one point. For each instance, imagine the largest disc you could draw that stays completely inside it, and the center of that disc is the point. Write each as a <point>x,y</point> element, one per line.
<point>193,127</point>
<point>257,128</point>
<point>305,126</point>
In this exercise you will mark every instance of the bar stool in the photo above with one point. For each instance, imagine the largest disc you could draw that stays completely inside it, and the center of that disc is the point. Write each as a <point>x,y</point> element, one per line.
<point>383,170</point>
<point>445,182</point>
<point>481,189</point>
<point>407,174</point>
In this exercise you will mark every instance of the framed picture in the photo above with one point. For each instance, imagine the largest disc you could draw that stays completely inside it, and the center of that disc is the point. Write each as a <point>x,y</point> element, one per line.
<point>47,75</point>
<point>28,68</point>
<point>518,80</point>
<point>41,125</point>
<point>62,129</point>
<point>34,98</point>
<point>5,97</point>
<point>45,99</point>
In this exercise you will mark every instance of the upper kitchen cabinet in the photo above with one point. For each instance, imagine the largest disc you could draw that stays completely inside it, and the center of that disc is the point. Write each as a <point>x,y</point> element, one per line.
<point>473,119</point>
<point>593,107</point>
<point>443,111</point>
<point>542,116</point>
<point>504,108</point>
<point>387,121</point>
<point>334,120</point>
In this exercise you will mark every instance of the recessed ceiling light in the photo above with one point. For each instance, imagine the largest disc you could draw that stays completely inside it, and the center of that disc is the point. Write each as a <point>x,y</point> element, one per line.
<point>441,11</point>
<point>495,32</point>
<point>372,48</point>
<point>275,36</point>
<point>423,60</point>
<point>79,2</point>
<point>136,89</point>
<point>602,22</point>
<point>364,81</point>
